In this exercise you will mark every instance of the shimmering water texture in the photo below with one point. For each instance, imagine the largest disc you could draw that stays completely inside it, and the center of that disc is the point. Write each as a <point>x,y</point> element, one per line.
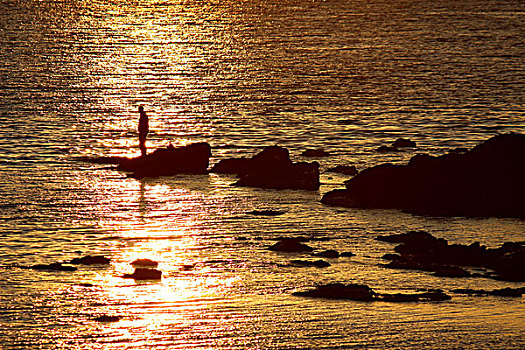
<point>346,76</point>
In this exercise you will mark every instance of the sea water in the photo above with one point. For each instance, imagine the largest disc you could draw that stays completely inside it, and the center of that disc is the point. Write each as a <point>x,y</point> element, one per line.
<point>345,76</point>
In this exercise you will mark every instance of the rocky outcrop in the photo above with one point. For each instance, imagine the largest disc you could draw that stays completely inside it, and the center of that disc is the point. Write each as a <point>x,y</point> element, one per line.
<point>191,159</point>
<point>271,168</point>
<point>144,274</point>
<point>360,292</point>
<point>485,181</point>
<point>420,250</point>
<point>145,262</point>
<point>309,263</point>
<point>91,260</point>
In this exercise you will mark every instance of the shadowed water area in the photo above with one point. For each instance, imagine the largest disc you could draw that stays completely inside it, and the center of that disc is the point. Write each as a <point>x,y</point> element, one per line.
<point>346,76</point>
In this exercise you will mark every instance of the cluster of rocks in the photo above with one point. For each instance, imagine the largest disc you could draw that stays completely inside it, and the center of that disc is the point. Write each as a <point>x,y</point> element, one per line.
<point>419,250</point>
<point>145,271</point>
<point>297,245</point>
<point>271,168</point>
<point>361,292</point>
<point>397,146</point>
<point>484,181</point>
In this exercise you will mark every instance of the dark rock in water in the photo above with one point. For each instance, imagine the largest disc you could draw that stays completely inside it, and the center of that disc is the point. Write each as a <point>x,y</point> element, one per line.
<point>91,260</point>
<point>291,245</point>
<point>266,212</point>
<point>401,142</point>
<point>344,169</point>
<point>421,251</point>
<point>307,263</point>
<point>361,292</point>
<point>86,285</point>
<point>144,274</point>
<point>330,253</point>
<point>387,149</point>
<point>506,292</point>
<point>191,159</point>
<point>403,298</point>
<point>272,168</point>
<point>145,262</point>
<point>347,254</point>
<point>319,152</point>
<point>485,181</point>
<point>358,292</point>
<point>52,267</point>
<point>108,318</point>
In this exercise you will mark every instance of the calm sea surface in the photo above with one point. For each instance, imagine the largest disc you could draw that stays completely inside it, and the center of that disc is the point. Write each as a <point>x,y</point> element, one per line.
<point>344,75</point>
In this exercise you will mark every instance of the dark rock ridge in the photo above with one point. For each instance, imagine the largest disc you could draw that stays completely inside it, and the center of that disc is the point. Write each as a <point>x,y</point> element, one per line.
<point>191,159</point>
<point>420,250</point>
<point>56,266</point>
<point>266,212</point>
<point>271,168</point>
<point>503,292</point>
<point>360,292</point>
<point>485,181</point>
<point>309,263</point>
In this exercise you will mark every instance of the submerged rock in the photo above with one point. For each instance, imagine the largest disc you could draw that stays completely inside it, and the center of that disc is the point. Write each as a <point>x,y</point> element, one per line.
<point>307,263</point>
<point>266,212</point>
<point>358,292</point>
<point>144,274</point>
<point>350,170</point>
<point>505,292</point>
<point>291,245</point>
<point>485,181</point>
<point>191,159</point>
<point>319,152</point>
<point>52,267</point>
<point>272,168</point>
<point>108,318</point>
<point>330,253</point>
<point>91,260</point>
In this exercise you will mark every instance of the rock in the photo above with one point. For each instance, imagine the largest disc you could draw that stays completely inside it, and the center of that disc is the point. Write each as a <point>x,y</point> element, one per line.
<point>52,267</point>
<point>350,170</point>
<point>306,263</point>
<point>291,245</point>
<point>507,292</point>
<point>340,291</point>
<point>403,298</point>
<point>361,292</point>
<point>91,260</point>
<point>108,318</point>
<point>319,152</point>
<point>421,251</point>
<point>347,254</point>
<point>144,274</point>
<point>266,212</point>
<point>387,149</point>
<point>401,142</point>
<point>191,159</point>
<point>272,168</point>
<point>330,253</point>
<point>145,262</point>
<point>485,181</point>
